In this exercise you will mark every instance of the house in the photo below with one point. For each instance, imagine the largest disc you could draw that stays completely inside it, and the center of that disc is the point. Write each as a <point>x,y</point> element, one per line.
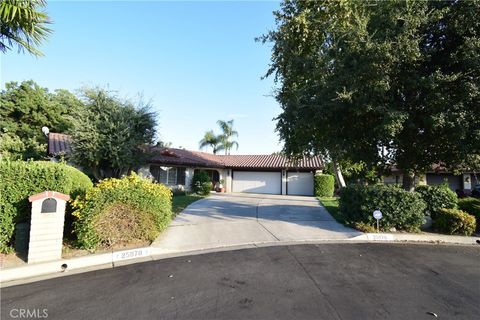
<point>269,174</point>
<point>462,183</point>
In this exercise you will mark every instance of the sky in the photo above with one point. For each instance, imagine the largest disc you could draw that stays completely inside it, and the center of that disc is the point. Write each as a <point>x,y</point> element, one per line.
<point>197,62</point>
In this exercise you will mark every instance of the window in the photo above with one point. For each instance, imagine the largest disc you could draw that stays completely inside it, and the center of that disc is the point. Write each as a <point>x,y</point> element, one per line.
<point>171,176</point>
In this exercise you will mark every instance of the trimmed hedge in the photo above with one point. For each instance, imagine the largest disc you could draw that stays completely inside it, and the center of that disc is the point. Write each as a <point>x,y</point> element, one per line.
<point>471,206</point>
<point>401,209</point>
<point>119,211</point>
<point>324,185</point>
<point>21,179</point>
<point>454,221</point>
<point>437,197</point>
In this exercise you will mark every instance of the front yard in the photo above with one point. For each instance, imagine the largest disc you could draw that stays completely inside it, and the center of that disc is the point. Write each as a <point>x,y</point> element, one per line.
<point>331,204</point>
<point>180,202</point>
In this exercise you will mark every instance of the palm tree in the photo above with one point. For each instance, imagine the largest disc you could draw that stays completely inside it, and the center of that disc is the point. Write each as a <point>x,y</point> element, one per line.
<point>210,140</point>
<point>22,23</point>
<point>227,134</point>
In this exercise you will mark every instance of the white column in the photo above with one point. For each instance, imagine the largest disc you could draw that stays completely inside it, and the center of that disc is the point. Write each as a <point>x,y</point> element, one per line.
<point>284,182</point>
<point>188,178</point>
<point>228,180</point>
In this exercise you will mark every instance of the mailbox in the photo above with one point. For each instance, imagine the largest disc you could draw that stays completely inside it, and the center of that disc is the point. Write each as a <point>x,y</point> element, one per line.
<point>46,226</point>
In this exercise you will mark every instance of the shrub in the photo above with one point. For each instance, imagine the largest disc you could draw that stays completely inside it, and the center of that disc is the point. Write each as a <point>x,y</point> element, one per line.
<point>454,221</point>
<point>205,188</point>
<point>437,197</point>
<point>401,209</point>
<point>471,206</point>
<point>118,211</point>
<point>21,179</point>
<point>324,185</point>
<point>199,180</point>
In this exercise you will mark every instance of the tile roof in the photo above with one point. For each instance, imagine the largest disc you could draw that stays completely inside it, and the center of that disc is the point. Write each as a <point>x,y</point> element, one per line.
<point>59,143</point>
<point>273,161</point>
<point>174,156</point>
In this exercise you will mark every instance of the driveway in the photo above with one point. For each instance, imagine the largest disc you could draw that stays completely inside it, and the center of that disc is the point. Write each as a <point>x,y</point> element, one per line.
<point>224,220</point>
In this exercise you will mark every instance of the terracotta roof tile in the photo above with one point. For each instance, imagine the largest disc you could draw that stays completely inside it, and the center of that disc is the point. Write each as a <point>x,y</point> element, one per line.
<point>186,157</point>
<point>59,143</point>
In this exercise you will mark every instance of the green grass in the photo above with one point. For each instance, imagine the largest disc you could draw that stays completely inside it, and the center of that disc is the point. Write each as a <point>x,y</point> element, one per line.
<point>331,204</point>
<point>180,202</point>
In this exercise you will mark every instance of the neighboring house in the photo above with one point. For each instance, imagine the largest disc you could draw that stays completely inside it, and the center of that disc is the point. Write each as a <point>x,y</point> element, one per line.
<point>269,174</point>
<point>461,183</point>
<point>59,145</point>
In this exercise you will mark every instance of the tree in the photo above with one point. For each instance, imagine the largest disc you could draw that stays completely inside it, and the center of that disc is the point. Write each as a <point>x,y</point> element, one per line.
<point>23,23</point>
<point>226,142</point>
<point>110,135</point>
<point>210,140</point>
<point>379,83</point>
<point>25,109</point>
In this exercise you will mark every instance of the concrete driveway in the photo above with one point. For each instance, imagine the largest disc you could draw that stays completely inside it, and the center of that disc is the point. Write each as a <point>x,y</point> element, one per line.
<point>225,220</point>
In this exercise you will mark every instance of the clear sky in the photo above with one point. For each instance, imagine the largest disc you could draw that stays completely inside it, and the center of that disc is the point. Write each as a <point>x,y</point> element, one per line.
<point>197,61</point>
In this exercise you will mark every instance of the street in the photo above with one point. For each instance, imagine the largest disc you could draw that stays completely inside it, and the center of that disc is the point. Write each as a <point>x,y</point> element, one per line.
<point>323,281</point>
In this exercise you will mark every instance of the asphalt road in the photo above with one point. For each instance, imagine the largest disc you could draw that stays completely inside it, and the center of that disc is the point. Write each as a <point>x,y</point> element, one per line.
<point>327,281</point>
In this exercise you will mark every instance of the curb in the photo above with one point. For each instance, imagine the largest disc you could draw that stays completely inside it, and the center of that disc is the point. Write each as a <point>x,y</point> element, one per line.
<point>65,267</point>
<point>409,237</point>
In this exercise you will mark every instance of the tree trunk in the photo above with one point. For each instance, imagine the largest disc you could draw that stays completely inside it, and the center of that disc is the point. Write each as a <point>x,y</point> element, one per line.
<point>408,181</point>
<point>338,175</point>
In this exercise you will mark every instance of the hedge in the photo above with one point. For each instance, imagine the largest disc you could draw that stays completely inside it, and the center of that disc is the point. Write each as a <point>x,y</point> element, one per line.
<point>437,197</point>
<point>21,179</point>
<point>120,211</point>
<point>324,185</point>
<point>401,209</point>
<point>471,206</point>
<point>454,221</point>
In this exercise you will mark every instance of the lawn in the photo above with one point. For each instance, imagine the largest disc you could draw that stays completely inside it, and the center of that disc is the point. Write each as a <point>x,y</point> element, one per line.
<point>180,202</point>
<point>331,204</point>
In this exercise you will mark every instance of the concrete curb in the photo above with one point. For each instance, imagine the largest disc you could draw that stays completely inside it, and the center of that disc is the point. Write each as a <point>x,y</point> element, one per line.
<point>47,270</point>
<point>411,237</point>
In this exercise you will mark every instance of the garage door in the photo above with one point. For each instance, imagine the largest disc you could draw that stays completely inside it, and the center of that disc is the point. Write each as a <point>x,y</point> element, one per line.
<point>257,182</point>
<point>300,183</point>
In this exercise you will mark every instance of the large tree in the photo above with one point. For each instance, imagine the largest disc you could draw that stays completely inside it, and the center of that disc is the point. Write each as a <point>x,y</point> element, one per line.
<point>380,82</point>
<point>111,136</point>
<point>24,24</point>
<point>24,109</point>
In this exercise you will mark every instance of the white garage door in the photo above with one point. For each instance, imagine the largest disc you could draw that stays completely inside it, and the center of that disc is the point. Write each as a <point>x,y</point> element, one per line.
<point>257,182</point>
<point>300,183</point>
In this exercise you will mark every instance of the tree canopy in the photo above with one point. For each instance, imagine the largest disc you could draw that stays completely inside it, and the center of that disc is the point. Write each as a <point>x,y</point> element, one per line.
<point>25,108</point>
<point>24,24</point>
<point>226,142</point>
<point>210,139</point>
<point>111,135</point>
<point>379,82</point>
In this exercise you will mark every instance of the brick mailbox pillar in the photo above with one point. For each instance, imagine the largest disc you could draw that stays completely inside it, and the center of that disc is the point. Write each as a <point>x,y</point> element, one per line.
<point>46,227</point>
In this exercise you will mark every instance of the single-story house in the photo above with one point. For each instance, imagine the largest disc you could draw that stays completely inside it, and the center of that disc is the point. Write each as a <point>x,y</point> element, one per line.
<point>269,174</point>
<point>438,174</point>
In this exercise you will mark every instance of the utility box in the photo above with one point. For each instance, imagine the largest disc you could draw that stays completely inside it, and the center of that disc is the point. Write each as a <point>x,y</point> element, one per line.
<point>46,226</point>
